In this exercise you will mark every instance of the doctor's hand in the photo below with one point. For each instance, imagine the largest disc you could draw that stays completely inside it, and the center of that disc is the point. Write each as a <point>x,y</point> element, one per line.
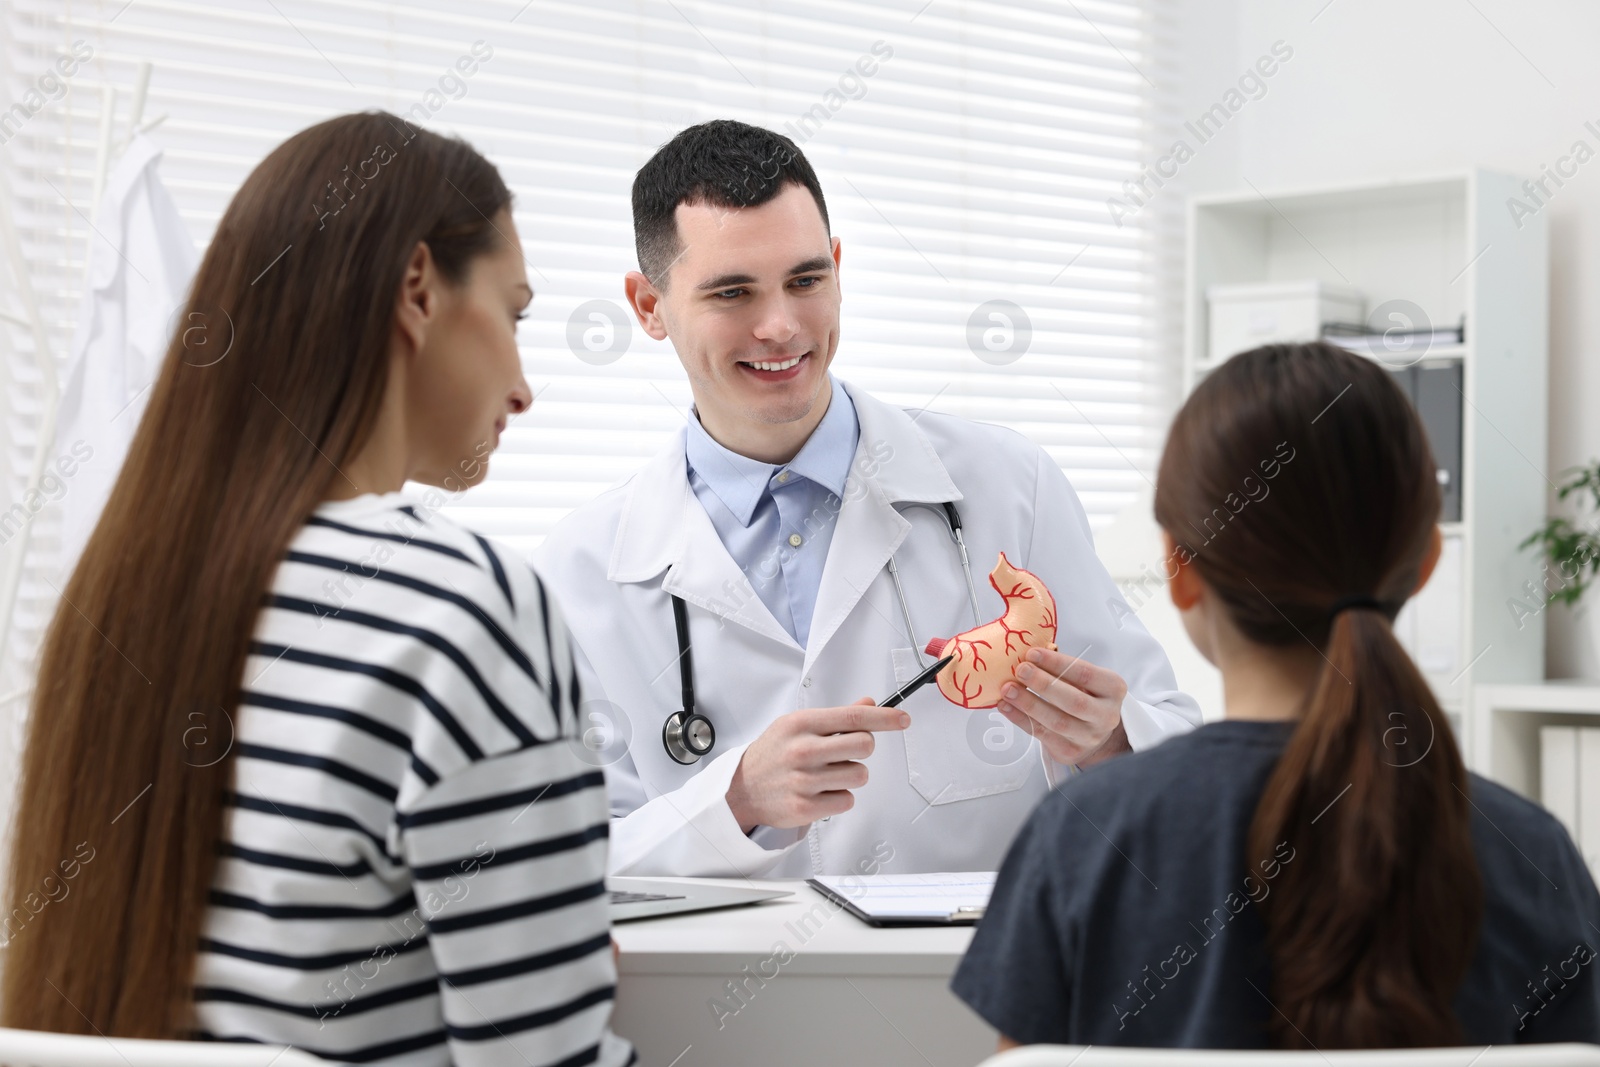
<point>804,765</point>
<point>1073,707</point>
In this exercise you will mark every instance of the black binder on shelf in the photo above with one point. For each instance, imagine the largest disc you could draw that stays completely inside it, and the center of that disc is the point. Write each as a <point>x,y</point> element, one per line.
<point>1436,389</point>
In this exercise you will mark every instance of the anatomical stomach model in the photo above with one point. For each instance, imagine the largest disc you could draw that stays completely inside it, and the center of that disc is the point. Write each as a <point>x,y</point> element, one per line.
<point>988,656</point>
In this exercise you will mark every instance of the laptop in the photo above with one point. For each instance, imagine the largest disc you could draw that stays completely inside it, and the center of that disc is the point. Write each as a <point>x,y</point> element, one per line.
<point>646,898</point>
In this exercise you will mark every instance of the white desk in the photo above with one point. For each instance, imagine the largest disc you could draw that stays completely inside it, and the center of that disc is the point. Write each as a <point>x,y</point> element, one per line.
<point>793,982</point>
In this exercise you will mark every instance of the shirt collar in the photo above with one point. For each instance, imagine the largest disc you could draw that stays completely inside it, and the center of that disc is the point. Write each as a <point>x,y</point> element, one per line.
<point>740,482</point>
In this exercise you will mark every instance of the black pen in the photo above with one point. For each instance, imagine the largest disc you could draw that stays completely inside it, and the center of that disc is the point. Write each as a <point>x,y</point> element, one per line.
<point>894,699</point>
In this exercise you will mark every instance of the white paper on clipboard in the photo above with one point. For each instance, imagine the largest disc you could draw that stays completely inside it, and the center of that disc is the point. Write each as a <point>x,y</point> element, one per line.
<point>914,896</point>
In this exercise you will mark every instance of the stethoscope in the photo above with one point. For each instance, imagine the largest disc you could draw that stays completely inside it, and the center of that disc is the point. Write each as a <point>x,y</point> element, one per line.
<point>688,735</point>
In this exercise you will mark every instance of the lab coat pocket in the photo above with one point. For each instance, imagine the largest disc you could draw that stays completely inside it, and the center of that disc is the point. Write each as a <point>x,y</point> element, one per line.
<point>955,754</point>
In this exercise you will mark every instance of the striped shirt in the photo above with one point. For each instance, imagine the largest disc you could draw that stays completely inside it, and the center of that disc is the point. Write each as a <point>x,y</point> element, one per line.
<point>413,859</point>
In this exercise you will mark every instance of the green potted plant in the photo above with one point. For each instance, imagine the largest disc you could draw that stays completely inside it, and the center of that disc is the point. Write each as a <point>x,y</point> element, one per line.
<point>1571,551</point>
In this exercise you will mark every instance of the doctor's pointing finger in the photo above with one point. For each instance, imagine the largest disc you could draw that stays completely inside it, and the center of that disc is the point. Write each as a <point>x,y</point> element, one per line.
<point>803,767</point>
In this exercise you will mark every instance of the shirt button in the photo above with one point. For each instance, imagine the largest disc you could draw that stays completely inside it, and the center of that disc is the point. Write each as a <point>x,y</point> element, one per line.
<point>806,681</point>
<point>795,540</point>
<point>783,476</point>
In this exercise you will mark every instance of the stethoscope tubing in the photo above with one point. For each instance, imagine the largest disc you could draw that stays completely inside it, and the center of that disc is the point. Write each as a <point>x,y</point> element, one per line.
<point>679,734</point>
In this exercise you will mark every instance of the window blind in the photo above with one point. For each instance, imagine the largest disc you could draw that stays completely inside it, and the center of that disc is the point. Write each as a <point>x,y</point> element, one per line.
<point>967,150</point>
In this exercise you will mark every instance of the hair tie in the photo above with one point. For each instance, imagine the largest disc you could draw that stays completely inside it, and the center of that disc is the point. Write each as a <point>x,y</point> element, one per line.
<point>1359,600</point>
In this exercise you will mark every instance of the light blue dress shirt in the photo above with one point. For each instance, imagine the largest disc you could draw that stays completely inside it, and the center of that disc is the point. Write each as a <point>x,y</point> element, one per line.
<point>777,521</point>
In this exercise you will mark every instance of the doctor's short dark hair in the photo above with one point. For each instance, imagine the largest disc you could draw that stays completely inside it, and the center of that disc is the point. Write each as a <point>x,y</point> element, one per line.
<point>724,163</point>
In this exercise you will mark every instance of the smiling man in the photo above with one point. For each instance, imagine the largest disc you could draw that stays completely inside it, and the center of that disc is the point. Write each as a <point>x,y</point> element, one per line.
<point>734,603</point>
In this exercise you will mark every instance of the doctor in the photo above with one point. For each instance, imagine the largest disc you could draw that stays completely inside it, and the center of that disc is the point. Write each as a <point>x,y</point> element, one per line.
<point>774,521</point>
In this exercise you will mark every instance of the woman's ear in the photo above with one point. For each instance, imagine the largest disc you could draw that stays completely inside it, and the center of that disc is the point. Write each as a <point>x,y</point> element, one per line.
<point>1430,559</point>
<point>417,303</point>
<point>1188,594</point>
<point>1183,585</point>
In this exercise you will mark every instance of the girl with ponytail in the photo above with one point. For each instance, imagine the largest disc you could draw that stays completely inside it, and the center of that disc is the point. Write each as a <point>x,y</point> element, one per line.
<point>1319,869</point>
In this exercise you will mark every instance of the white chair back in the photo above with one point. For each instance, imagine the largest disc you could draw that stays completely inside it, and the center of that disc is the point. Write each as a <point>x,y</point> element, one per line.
<point>38,1049</point>
<point>1566,1055</point>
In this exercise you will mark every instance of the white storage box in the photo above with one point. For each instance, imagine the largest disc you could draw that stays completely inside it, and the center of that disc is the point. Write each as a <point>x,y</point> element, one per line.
<point>1258,313</point>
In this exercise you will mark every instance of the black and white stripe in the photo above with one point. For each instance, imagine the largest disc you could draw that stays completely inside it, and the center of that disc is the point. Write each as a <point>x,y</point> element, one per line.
<point>413,865</point>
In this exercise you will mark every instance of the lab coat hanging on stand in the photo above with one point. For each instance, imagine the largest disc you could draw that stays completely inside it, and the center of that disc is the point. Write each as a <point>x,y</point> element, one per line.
<point>945,795</point>
<point>140,267</point>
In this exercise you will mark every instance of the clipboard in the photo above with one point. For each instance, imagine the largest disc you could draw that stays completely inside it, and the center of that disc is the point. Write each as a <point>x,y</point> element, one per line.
<point>956,899</point>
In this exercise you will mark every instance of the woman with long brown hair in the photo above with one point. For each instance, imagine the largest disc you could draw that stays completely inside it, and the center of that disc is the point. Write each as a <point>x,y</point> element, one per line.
<point>1319,870</point>
<point>299,765</point>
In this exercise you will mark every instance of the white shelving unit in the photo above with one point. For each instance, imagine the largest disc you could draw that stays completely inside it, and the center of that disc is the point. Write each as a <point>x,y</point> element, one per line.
<point>1447,244</point>
<point>1506,746</point>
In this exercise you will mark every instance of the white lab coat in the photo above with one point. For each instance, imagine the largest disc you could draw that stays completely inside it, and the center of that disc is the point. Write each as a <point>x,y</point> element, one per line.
<point>139,276</point>
<point>947,794</point>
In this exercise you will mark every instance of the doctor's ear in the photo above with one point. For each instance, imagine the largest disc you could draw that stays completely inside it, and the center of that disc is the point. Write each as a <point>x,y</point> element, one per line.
<point>645,299</point>
<point>417,303</point>
<point>1184,585</point>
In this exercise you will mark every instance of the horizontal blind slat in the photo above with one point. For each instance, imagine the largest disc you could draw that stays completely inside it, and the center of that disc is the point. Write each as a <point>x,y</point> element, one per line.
<point>974,164</point>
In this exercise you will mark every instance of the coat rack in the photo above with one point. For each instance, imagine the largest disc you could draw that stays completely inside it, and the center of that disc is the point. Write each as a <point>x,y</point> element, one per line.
<point>108,147</point>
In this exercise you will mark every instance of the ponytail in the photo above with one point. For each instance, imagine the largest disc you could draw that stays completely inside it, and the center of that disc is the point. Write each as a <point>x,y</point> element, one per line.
<point>1372,928</point>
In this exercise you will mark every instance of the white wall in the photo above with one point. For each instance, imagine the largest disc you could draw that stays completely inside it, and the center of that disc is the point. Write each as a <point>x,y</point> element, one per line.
<point>1377,88</point>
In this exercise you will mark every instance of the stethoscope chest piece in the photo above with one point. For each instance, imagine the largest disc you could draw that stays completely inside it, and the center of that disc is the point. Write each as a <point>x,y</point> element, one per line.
<point>687,736</point>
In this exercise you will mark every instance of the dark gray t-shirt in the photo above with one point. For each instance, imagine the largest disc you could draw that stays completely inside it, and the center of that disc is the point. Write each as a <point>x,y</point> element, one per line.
<point>1122,914</point>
